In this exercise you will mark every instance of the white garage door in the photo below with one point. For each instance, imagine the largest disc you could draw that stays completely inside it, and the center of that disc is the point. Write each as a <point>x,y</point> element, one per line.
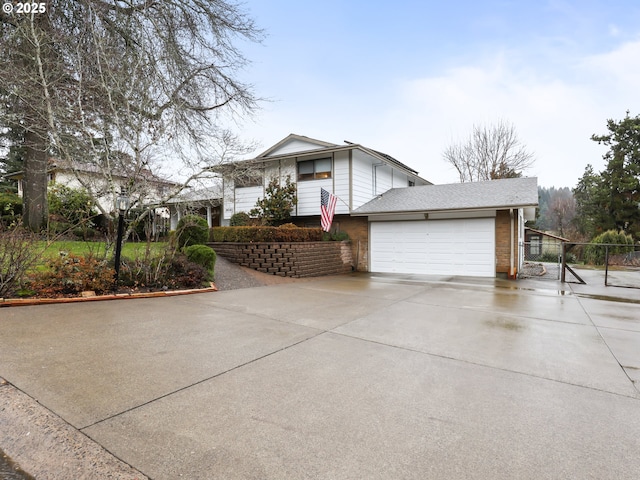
<point>434,247</point>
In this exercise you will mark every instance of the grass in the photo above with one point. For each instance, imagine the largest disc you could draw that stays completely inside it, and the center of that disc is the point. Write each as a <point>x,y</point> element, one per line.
<point>52,250</point>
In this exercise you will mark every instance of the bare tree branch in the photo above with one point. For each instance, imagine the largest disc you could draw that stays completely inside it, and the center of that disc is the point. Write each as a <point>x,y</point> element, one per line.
<point>491,152</point>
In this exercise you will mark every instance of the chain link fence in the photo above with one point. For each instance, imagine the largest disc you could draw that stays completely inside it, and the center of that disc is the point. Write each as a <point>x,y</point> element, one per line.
<point>542,260</point>
<point>614,265</point>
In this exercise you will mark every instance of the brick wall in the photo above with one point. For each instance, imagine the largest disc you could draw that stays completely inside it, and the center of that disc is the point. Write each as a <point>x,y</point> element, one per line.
<point>356,227</point>
<point>503,237</point>
<point>299,259</point>
<point>358,230</point>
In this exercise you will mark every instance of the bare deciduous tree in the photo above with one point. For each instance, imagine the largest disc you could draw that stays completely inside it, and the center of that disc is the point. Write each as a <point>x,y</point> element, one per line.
<point>117,88</point>
<point>491,152</point>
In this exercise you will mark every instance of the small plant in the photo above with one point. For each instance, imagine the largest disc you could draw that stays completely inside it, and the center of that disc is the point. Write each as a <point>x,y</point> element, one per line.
<point>17,255</point>
<point>70,275</point>
<point>202,255</point>
<point>335,236</point>
<point>192,230</point>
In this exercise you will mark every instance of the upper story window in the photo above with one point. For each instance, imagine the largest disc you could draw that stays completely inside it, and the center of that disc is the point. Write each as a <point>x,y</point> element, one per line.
<point>249,180</point>
<point>314,169</point>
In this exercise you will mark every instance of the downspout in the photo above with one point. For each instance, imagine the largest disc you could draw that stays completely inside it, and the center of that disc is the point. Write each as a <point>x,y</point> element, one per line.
<point>374,173</point>
<point>350,180</point>
<point>511,260</point>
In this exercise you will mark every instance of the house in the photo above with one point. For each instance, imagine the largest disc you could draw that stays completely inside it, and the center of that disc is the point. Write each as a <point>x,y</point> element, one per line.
<point>147,189</point>
<point>397,221</point>
<point>538,244</point>
<point>352,172</point>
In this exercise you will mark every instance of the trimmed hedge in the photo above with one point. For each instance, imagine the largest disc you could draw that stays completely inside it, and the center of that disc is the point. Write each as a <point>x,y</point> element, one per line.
<point>266,234</point>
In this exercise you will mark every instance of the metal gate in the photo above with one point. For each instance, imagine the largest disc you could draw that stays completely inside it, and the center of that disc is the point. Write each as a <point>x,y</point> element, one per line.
<point>613,268</point>
<point>541,260</point>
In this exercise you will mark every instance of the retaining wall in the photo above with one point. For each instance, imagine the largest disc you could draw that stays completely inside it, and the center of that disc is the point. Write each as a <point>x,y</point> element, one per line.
<point>294,259</point>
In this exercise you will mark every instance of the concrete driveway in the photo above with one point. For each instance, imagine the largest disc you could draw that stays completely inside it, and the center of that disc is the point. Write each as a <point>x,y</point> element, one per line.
<point>351,377</point>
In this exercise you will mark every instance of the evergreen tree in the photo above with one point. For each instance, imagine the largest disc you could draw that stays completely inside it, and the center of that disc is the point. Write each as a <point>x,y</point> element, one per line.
<point>611,200</point>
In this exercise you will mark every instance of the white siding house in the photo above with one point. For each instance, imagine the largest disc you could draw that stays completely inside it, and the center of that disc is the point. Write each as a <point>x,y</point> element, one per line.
<point>352,172</point>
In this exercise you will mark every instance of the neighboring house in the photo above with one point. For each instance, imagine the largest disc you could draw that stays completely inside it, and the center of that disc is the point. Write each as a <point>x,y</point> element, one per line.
<point>149,188</point>
<point>458,229</point>
<point>538,244</point>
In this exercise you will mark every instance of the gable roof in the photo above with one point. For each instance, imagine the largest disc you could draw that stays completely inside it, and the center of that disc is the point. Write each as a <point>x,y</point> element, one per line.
<point>292,137</point>
<point>493,194</point>
<point>317,147</point>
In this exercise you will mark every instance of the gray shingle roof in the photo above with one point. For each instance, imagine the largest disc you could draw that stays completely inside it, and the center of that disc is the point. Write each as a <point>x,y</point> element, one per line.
<point>504,193</point>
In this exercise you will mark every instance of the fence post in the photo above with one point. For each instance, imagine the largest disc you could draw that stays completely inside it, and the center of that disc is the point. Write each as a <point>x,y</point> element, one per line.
<point>606,264</point>
<point>564,251</point>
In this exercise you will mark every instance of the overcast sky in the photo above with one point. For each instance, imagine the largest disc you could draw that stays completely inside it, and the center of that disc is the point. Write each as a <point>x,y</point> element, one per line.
<point>411,77</point>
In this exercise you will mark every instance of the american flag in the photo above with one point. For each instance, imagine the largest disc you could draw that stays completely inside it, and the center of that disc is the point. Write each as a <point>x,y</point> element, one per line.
<point>327,209</point>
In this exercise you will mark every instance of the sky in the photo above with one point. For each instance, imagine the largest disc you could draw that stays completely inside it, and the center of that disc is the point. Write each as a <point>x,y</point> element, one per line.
<point>409,78</point>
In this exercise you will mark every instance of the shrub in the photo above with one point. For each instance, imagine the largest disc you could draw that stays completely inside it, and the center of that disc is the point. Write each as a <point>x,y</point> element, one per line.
<point>70,205</point>
<point>192,230</point>
<point>202,255</point>
<point>10,204</point>
<point>548,257</point>
<point>335,236</point>
<point>70,275</point>
<point>595,253</point>
<point>162,271</point>
<point>266,234</point>
<point>240,219</point>
<point>17,255</point>
<point>185,274</point>
<point>60,228</point>
<point>278,202</point>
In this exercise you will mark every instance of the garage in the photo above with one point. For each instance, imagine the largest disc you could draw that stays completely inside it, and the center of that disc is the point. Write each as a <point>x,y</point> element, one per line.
<point>434,247</point>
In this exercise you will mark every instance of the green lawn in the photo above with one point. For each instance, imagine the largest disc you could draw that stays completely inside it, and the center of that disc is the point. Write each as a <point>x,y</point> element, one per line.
<point>130,249</point>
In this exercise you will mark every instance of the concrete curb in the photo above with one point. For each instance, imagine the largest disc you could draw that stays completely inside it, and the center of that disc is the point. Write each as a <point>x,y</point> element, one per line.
<point>20,302</point>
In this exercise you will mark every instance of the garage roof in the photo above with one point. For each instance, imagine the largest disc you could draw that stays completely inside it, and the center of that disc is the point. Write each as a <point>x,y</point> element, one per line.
<point>493,194</point>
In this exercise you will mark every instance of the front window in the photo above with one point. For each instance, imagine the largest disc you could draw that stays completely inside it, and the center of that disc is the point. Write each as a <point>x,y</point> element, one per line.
<point>314,169</point>
<point>535,245</point>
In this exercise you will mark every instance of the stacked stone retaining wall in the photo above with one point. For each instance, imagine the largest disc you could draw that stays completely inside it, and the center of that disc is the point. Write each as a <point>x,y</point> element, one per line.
<point>294,259</point>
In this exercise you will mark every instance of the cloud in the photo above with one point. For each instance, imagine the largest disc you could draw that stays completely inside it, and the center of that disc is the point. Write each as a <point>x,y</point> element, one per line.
<point>555,113</point>
<point>556,104</point>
